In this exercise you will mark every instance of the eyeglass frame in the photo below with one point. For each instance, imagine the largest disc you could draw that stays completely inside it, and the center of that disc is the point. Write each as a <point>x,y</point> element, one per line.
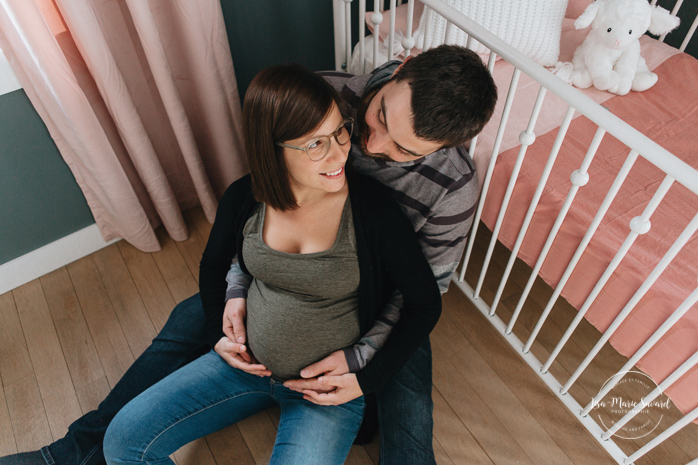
<point>330,136</point>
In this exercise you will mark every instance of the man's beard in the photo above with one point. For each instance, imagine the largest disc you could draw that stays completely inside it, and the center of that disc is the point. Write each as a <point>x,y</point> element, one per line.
<point>364,130</point>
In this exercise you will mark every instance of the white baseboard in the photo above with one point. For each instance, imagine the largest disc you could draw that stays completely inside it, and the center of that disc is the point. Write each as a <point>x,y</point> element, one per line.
<point>50,257</point>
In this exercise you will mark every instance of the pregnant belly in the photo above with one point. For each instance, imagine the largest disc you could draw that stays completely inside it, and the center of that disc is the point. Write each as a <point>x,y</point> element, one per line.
<point>287,338</point>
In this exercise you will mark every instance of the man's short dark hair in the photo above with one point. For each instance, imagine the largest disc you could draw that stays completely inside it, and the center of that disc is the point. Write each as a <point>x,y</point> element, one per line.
<point>282,103</point>
<point>453,94</point>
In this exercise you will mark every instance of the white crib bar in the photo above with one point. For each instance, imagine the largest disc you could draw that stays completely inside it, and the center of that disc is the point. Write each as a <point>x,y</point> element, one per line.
<point>532,207</point>
<point>688,37</point>
<point>347,12</point>
<point>470,44</point>
<point>663,386</point>
<point>661,266</point>
<point>408,40</point>
<point>638,225</point>
<point>376,19</point>
<point>490,168</point>
<point>449,29</point>
<point>526,138</point>
<point>427,14</point>
<point>391,32</point>
<point>673,429</point>
<point>661,331</point>
<point>362,39</point>
<point>610,196</point>
<point>579,178</point>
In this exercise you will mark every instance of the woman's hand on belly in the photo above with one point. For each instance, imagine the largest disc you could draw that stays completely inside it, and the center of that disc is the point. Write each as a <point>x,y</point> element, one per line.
<point>345,388</point>
<point>231,352</point>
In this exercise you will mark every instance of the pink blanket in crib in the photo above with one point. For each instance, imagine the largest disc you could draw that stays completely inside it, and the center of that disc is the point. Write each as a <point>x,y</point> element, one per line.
<point>668,114</point>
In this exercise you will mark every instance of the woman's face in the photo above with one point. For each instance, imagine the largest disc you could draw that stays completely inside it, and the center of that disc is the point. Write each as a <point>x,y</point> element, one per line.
<point>325,176</point>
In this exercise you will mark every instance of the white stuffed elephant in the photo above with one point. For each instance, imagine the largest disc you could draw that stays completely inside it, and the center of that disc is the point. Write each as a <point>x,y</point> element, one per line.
<point>609,58</point>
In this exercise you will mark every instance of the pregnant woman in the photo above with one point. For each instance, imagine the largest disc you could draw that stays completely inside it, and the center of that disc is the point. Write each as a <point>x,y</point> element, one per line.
<point>326,250</point>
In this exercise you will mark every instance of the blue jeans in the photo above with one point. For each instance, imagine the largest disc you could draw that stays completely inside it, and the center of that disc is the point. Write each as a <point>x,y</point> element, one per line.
<point>207,395</point>
<point>405,413</point>
<point>405,403</point>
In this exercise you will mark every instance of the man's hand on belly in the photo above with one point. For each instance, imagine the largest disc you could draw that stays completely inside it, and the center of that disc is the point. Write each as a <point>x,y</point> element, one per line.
<point>345,388</point>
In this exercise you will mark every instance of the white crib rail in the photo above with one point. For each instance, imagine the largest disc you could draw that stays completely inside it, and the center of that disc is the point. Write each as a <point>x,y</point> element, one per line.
<point>676,171</point>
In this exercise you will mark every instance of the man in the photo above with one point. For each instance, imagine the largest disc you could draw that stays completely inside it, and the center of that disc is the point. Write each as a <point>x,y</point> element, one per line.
<point>413,120</point>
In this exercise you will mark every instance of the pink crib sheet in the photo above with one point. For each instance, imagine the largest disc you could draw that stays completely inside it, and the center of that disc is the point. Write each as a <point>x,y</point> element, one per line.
<point>668,114</point>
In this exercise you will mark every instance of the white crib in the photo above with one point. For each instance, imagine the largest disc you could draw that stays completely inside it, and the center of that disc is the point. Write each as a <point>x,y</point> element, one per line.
<point>637,145</point>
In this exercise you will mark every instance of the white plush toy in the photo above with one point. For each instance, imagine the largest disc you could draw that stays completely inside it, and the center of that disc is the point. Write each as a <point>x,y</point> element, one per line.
<point>609,58</point>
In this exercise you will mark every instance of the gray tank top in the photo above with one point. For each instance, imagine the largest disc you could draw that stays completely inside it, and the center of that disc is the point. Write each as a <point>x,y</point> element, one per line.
<point>301,307</point>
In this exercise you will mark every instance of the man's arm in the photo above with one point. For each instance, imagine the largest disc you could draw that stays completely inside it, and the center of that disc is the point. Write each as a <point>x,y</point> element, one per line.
<point>238,282</point>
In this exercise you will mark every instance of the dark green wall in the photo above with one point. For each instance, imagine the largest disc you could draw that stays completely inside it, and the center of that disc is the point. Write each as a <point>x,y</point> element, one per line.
<point>266,32</point>
<point>40,201</point>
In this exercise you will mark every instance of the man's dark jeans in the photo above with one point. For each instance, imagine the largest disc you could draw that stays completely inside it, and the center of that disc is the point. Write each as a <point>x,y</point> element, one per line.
<point>405,405</point>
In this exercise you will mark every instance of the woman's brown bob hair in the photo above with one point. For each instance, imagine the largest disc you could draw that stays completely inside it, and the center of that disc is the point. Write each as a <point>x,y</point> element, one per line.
<point>282,103</point>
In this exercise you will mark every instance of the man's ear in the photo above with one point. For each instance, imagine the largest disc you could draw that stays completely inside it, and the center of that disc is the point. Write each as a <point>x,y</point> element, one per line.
<point>402,64</point>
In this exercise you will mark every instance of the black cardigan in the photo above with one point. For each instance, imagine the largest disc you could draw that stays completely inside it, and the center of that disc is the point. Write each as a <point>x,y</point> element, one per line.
<point>389,258</point>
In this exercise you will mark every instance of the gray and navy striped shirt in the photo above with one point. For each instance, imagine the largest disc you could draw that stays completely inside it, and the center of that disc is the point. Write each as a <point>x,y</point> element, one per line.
<point>438,194</point>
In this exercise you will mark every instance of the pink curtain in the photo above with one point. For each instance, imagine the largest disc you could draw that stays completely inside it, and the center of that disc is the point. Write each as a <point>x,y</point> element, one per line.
<point>141,100</point>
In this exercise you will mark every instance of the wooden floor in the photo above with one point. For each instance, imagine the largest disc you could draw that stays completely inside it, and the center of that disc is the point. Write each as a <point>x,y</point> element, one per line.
<point>66,339</point>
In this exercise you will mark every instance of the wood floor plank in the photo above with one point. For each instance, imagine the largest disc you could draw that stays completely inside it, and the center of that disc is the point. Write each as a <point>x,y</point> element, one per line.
<point>85,368</point>
<point>7,438</point>
<point>51,370</point>
<point>259,433</point>
<point>440,454</point>
<point>195,453</point>
<point>125,299</point>
<point>489,432</point>
<point>530,435</point>
<point>151,285</point>
<point>23,399</point>
<point>27,414</point>
<point>502,401</point>
<point>15,362</point>
<point>373,449</point>
<point>530,390</point>
<point>108,337</point>
<point>174,269</point>
<point>193,247</point>
<point>455,442</point>
<point>228,447</point>
<point>358,456</point>
<point>199,219</point>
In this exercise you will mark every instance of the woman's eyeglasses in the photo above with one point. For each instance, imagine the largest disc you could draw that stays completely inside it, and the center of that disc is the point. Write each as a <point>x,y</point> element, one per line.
<point>318,148</point>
